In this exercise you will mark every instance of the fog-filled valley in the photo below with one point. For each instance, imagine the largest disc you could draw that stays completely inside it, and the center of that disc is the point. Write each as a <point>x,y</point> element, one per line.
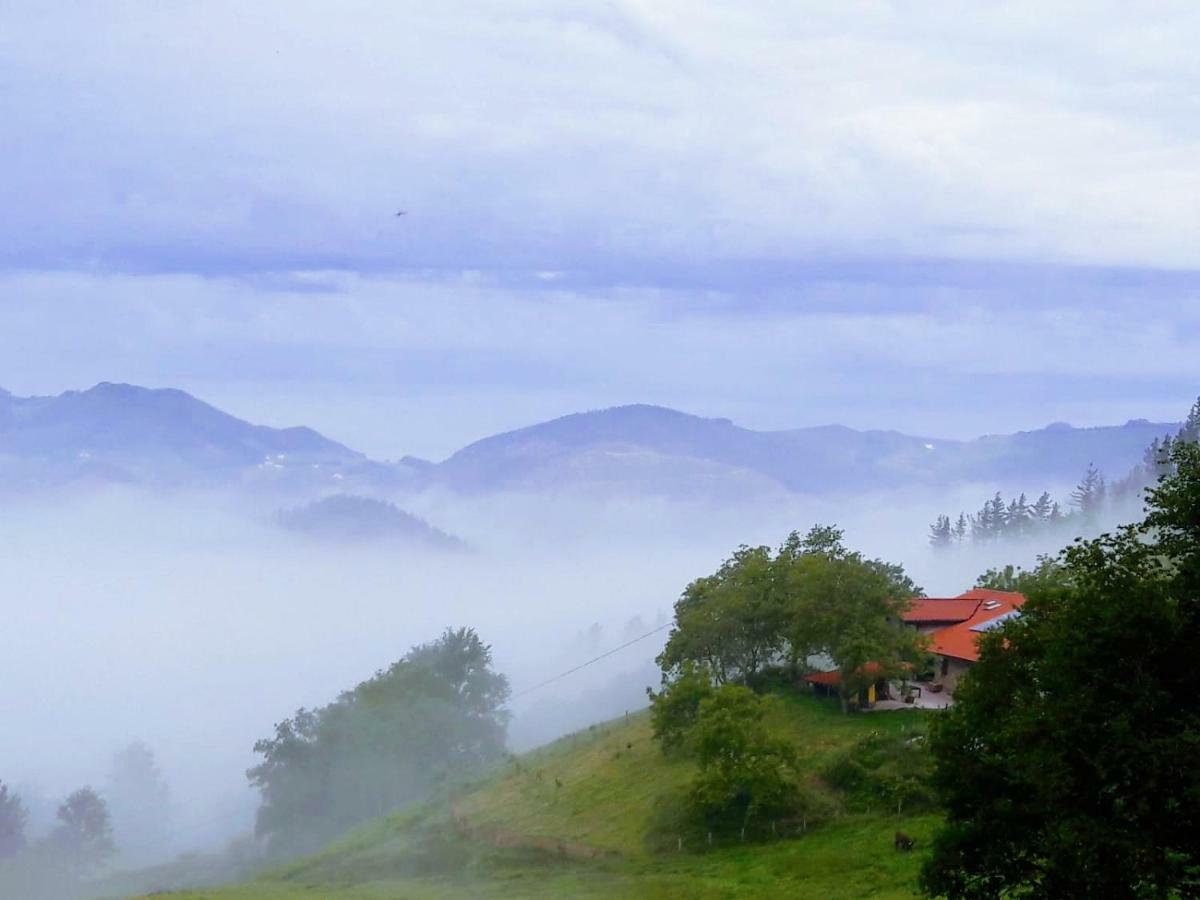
<point>179,584</point>
<point>605,449</point>
<point>188,621</point>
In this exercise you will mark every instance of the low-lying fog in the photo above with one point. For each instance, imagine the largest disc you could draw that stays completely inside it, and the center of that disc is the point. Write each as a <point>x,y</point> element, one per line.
<point>193,625</point>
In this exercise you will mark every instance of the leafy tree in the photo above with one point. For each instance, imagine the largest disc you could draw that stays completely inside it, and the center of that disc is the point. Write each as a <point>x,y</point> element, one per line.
<point>434,715</point>
<point>813,597</point>
<point>1046,574</point>
<point>732,622</point>
<point>1067,764</point>
<point>820,540</point>
<point>13,817</point>
<point>747,775</point>
<point>674,710</point>
<point>855,607</point>
<point>83,836</point>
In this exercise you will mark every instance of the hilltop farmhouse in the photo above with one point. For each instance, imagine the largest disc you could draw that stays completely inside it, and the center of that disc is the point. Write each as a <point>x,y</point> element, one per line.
<point>954,626</point>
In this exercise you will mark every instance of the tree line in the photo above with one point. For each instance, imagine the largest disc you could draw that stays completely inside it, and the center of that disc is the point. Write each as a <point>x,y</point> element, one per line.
<point>1093,502</point>
<point>125,824</point>
<point>1018,518</point>
<point>77,847</point>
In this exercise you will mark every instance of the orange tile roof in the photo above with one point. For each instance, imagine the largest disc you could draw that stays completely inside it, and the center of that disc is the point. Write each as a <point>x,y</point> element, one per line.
<point>833,677</point>
<point>925,610</point>
<point>960,641</point>
<point>829,679</point>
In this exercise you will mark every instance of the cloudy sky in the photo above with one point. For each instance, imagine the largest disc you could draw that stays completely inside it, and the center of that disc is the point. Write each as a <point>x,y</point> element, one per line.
<point>889,215</point>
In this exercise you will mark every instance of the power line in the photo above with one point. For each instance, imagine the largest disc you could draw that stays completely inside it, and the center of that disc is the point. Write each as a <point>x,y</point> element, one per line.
<point>584,665</point>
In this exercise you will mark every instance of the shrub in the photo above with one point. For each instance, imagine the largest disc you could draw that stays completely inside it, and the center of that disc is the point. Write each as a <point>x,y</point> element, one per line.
<point>892,771</point>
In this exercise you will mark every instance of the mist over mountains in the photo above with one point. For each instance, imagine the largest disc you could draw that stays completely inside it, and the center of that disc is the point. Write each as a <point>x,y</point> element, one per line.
<point>118,433</point>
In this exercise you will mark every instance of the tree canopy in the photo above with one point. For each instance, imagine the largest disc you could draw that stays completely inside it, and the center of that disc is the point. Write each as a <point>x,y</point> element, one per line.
<point>1067,764</point>
<point>83,836</point>
<point>812,597</point>
<point>433,715</point>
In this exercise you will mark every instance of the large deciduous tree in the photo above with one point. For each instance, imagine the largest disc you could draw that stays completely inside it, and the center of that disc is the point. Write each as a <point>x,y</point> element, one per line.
<point>811,597</point>
<point>1067,766</point>
<point>434,715</point>
<point>733,621</point>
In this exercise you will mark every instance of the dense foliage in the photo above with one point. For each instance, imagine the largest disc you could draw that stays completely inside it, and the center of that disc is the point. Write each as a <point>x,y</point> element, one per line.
<point>13,816</point>
<point>888,771</point>
<point>747,780</point>
<point>1067,765</point>
<point>434,715</point>
<point>762,610</point>
<point>746,787</point>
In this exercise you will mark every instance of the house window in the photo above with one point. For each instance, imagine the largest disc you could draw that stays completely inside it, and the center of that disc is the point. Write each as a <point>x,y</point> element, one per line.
<point>945,666</point>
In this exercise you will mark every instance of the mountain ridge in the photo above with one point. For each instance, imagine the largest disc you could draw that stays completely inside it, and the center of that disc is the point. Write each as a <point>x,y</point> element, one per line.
<point>122,432</point>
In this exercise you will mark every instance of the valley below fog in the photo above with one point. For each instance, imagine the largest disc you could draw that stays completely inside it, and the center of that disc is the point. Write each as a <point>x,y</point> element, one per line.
<point>188,621</point>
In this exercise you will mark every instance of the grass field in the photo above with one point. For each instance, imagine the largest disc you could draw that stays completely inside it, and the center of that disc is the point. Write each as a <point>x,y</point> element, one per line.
<point>569,820</point>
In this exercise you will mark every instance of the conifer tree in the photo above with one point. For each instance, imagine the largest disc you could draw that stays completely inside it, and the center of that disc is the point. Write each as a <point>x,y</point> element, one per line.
<point>1088,496</point>
<point>1041,508</point>
<point>1190,432</point>
<point>998,515</point>
<point>1017,517</point>
<point>981,524</point>
<point>940,533</point>
<point>960,528</point>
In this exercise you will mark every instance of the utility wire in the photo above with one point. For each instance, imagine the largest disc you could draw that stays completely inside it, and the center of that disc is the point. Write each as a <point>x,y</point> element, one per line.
<point>199,827</point>
<point>561,675</point>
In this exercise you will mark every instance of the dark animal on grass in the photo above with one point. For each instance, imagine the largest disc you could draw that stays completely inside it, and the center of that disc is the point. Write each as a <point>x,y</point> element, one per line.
<point>903,842</point>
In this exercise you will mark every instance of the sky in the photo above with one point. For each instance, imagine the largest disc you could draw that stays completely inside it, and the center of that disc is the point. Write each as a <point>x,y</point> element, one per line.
<point>886,215</point>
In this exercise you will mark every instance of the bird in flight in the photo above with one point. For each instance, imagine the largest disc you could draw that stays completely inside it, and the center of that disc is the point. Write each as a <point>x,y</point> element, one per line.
<point>403,212</point>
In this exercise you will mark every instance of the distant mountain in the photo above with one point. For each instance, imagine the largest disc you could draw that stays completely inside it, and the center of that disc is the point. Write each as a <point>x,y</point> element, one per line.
<point>120,432</point>
<point>124,433</point>
<point>631,449</point>
<point>345,517</point>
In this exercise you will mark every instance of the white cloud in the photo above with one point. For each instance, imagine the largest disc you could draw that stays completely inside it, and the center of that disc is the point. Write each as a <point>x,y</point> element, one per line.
<point>282,135</point>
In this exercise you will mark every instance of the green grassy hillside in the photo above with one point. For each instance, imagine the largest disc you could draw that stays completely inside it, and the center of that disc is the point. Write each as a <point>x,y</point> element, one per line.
<point>571,818</point>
